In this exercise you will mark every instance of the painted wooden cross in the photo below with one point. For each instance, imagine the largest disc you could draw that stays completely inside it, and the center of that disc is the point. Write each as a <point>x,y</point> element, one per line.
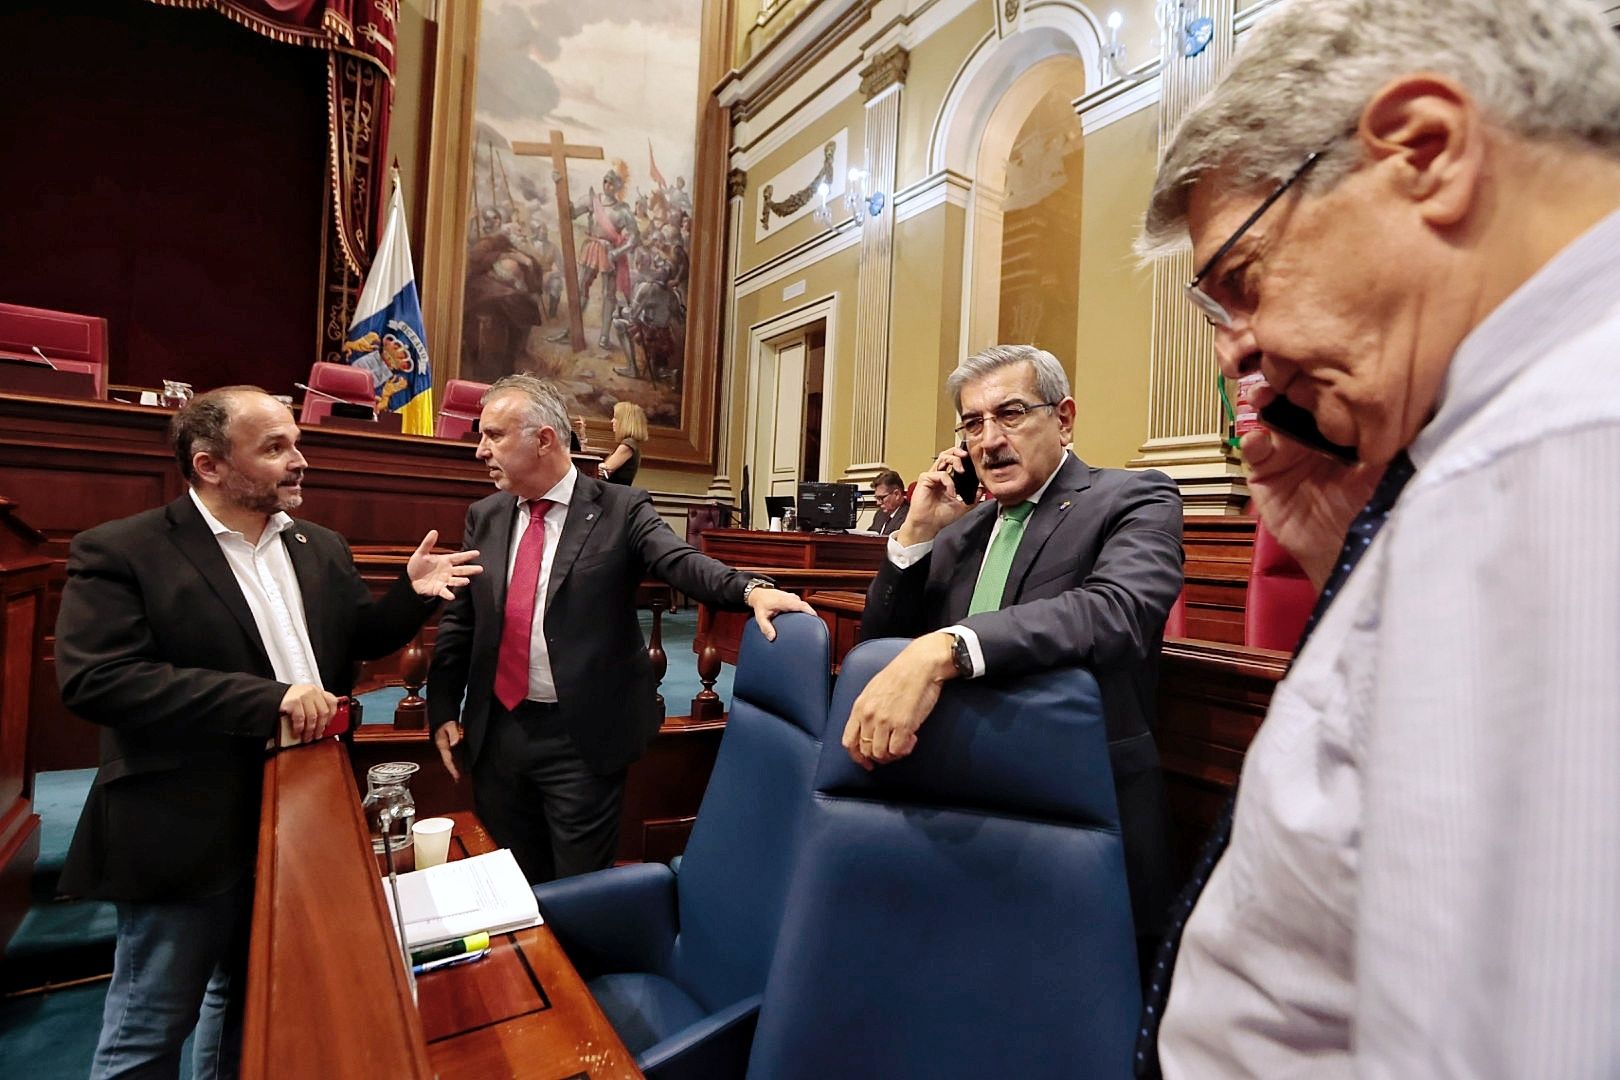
<point>559,152</point>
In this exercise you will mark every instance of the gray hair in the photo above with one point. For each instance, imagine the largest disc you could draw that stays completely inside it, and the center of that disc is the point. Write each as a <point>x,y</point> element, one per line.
<point>545,406</point>
<point>1050,381</point>
<point>1547,70</point>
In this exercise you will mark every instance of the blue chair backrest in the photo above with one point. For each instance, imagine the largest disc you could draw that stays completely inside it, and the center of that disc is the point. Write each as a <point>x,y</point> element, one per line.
<point>733,882</point>
<point>962,912</point>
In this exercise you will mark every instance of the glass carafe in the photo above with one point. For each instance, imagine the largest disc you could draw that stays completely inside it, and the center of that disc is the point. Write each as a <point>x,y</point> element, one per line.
<point>388,805</point>
<point>175,394</point>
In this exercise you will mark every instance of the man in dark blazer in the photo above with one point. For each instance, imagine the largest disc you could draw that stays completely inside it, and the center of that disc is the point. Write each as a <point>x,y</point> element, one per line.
<point>192,633</point>
<point>547,681</point>
<point>890,492</point>
<point>1082,570</point>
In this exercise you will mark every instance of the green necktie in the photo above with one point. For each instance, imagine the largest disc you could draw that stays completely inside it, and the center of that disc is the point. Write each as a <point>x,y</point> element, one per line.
<point>993,574</point>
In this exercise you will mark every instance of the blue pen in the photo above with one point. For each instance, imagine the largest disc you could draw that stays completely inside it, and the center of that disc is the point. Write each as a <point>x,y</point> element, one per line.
<point>449,961</point>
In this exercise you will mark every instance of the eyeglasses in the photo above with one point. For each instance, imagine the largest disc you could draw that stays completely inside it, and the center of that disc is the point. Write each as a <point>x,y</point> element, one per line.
<point>1211,307</point>
<point>1010,417</point>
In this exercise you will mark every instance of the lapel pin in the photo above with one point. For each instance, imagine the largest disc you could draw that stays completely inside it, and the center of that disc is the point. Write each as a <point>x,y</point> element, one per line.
<point>301,538</point>
<point>590,517</point>
<point>1064,505</point>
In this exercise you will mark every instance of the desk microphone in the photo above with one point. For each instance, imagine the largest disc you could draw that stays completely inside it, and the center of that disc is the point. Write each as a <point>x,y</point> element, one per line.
<point>331,397</point>
<point>43,358</point>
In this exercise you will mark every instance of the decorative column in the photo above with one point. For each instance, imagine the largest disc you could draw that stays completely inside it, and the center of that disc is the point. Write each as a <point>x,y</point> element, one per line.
<point>881,82</point>
<point>1186,424</point>
<point>720,486</point>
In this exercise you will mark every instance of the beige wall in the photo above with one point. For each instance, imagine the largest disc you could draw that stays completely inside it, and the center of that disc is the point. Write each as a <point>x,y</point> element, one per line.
<point>1113,317</point>
<point>923,342</point>
<point>1116,298</point>
<point>834,274</point>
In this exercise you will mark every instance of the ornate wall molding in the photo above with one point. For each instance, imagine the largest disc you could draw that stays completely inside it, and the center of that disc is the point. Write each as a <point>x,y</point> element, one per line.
<point>799,199</point>
<point>888,68</point>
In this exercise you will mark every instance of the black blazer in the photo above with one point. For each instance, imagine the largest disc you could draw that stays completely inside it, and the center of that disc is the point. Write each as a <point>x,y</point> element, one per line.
<point>1091,586</point>
<point>606,689</point>
<point>884,525</point>
<point>155,642</point>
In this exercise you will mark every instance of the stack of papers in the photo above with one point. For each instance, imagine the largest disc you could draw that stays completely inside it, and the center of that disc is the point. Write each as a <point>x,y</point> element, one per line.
<point>483,893</point>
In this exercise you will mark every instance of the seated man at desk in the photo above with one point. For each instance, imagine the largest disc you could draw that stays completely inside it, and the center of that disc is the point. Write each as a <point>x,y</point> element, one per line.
<point>890,492</point>
<point>193,633</point>
<point>1066,565</point>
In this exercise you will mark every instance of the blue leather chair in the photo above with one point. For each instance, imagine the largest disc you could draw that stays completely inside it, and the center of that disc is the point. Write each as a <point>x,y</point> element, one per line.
<point>962,912</point>
<point>678,962</point>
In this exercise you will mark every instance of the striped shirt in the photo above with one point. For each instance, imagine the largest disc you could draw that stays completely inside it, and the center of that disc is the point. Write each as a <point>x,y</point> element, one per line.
<point>1424,874</point>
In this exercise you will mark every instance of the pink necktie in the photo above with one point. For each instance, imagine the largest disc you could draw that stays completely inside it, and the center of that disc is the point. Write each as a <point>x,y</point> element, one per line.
<point>512,662</point>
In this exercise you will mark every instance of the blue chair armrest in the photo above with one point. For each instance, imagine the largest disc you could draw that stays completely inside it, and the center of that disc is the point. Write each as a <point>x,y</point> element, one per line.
<point>714,1048</point>
<point>615,920</point>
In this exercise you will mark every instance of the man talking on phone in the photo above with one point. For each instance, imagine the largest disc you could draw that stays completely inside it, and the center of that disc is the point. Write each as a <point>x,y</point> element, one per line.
<point>1405,214</point>
<point>1067,565</point>
<point>190,634</point>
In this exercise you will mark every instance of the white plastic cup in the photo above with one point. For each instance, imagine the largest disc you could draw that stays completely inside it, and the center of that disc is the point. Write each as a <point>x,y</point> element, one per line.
<point>432,837</point>
<point>776,525</point>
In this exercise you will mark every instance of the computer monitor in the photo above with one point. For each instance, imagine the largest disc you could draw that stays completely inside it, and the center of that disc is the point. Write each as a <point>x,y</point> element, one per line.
<point>776,506</point>
<point>827,507</point>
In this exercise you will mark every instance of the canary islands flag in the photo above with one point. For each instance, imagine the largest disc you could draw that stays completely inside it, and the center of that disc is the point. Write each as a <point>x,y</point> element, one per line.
<point>386,337</point>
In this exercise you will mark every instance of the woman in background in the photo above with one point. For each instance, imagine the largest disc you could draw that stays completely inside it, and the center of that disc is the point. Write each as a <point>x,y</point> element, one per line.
<point>630,429</point>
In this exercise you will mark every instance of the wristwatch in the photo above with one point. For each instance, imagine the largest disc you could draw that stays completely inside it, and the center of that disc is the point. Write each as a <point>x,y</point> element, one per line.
<point>756,583</point>
<point>961,658</point>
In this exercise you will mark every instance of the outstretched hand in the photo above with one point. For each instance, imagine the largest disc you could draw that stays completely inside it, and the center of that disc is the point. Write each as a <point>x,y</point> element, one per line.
<point>439,575</point>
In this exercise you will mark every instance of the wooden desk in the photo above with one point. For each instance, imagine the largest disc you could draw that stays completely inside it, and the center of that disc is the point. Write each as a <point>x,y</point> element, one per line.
<point>24,572</point>
<point>327,991</point>
<point>521,1011</point>
<point>796,550</point>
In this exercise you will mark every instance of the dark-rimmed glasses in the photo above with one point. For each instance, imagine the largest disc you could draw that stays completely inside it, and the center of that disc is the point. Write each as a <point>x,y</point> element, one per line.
<point>1211,307</point>
<point>1008,418</point>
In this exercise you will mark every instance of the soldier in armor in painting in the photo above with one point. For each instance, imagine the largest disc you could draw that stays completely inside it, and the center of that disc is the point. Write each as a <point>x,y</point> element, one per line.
<point>611,233</point>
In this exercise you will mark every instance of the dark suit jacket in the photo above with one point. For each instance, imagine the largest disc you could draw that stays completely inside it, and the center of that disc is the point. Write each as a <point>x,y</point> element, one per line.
<point>156,643</point>
<point>1091,585</point>
<point>606,689</point>
<point>883,524</point>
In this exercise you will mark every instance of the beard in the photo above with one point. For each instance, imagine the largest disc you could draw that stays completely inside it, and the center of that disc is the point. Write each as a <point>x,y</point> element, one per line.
<point>263,498</point>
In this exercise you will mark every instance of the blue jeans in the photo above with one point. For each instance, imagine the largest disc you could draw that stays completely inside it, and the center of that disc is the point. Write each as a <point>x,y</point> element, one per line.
<point>179,965</point>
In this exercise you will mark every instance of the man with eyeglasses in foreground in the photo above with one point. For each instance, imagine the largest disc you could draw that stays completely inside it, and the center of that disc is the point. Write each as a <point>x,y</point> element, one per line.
<point>1423,865</point>
<point>1068,565</point>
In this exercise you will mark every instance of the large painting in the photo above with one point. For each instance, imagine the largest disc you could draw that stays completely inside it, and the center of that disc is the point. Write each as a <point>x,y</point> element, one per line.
<point>580,223</point>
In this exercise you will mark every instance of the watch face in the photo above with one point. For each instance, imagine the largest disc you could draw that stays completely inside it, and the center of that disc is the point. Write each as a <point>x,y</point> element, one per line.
<point>961,657</point>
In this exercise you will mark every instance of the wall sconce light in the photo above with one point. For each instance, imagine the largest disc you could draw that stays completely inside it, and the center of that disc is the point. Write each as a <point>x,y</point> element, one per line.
<point>823,211</point>
<point>1180,27</point>
<point>860,202</point>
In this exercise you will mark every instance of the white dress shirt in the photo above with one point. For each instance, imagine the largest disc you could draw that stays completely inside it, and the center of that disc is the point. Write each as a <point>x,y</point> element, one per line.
<point>1424,874</point>
<point>265,573</point>
<point>542,687</point>
<point>903,557</point>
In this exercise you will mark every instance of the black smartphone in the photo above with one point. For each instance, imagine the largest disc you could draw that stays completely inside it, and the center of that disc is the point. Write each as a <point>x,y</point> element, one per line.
<point>1283,416</point>
<point>967,481</point>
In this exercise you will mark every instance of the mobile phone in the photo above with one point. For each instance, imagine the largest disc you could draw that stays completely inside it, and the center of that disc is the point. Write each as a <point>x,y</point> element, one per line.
<point>967,481</point>
<point>335,726</point>
<point>1283,416</point>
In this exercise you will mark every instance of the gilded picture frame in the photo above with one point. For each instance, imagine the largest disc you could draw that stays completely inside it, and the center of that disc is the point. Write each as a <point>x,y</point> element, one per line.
<point>461,168</point>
